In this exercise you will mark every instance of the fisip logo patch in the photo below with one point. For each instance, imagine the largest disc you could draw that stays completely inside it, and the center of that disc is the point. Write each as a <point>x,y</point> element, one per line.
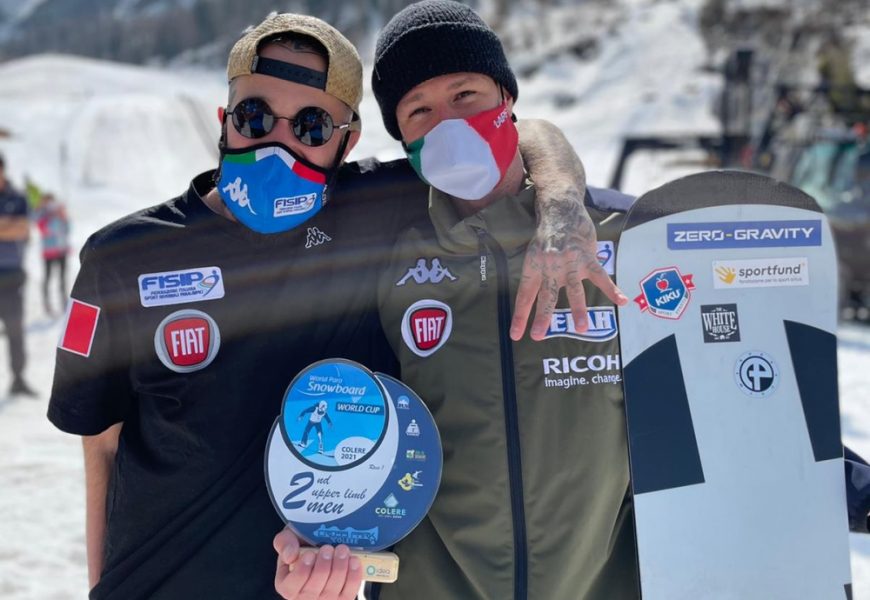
<point>760,272</point>
<point>178,287</point>
<point>744,234</point>
<point>295,205</point>
<point>426,326</point>
<point>187,340</point>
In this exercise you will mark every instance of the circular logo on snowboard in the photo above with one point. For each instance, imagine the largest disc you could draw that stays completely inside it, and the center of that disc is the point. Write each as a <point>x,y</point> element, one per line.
<point>354,457</point>
<point>756,374</point>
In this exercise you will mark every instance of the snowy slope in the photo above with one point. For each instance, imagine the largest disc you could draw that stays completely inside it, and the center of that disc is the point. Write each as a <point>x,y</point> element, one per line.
<point>135,136</point>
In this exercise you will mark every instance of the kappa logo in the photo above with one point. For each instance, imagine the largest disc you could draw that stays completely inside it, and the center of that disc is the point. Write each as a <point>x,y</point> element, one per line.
<point>179,287</point>
<point>426,326</point>
<point>665,293</point>
<point>422,273</point>
<point>187,340</point>
<point>601,324</point>
<point>316,237</point>
<point>238,192</point>
<point>606,252</point>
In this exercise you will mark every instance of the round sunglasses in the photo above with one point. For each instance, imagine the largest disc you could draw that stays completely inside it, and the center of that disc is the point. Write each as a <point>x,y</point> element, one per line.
<point>312,125</point>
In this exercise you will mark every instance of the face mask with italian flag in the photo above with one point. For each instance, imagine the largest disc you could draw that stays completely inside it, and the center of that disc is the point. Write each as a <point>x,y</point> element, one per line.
<point>466,158</point>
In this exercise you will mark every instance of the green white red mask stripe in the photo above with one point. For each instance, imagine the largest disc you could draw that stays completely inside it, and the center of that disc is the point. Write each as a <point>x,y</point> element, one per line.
<point>261,153</point>
<point>466,158</point>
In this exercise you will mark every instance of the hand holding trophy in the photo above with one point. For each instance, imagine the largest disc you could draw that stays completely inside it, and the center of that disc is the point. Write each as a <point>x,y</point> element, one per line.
<point>365,481</point>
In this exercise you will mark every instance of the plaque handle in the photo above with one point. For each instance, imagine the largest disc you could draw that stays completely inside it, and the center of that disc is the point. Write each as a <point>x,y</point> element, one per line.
<point>380,567</point>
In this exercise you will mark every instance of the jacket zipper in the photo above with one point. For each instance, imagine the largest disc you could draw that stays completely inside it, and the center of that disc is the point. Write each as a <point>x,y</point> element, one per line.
<point>509,394</point>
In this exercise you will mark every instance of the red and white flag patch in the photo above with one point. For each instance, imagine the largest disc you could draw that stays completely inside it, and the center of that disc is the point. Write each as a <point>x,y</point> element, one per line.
<point>80,328</point>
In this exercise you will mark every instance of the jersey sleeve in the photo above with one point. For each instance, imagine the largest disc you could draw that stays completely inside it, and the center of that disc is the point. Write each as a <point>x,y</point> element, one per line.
<point>91,389</point>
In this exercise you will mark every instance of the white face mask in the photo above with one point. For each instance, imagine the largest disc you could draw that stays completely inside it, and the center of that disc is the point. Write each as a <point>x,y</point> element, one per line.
<point>466,158</point>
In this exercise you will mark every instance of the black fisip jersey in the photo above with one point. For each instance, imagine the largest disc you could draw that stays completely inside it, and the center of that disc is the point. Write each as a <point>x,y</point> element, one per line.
<point>188,328</point>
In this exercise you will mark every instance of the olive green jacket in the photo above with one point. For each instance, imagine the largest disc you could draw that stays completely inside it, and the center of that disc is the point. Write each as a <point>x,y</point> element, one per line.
<point>533,497</point>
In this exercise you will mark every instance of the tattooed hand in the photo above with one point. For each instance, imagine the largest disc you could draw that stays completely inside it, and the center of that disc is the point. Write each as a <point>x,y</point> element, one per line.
<point>562,254</point>
<point>564,250</point>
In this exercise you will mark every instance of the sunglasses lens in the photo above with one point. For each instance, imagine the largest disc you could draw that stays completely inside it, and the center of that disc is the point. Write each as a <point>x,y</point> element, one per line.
<point>253,118</point>
<point>313,126</point>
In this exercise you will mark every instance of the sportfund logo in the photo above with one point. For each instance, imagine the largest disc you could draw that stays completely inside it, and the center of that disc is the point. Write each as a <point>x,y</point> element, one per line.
<point>426,326</point>
<point>760,272</point>
<point>187,340</point>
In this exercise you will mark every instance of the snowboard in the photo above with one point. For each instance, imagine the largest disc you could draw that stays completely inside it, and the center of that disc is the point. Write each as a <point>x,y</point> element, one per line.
<point>730,377</point>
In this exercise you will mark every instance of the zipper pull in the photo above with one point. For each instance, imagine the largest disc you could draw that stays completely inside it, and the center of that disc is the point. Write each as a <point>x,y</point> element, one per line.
<point>481,250</point>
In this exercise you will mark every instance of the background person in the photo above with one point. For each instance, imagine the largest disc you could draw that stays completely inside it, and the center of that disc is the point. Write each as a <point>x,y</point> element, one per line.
<point>53,224</point>
<point>14,234</point>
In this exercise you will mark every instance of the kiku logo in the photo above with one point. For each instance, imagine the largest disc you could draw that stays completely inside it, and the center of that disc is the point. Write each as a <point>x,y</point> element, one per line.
<point>665,293</point>
<point>426,326</point>
<point>756,374</point>
<point>187,340</point>
<point>720,323</point>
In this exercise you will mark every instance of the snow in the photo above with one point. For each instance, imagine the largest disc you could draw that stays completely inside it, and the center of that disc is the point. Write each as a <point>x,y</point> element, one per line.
<point>110,139</point>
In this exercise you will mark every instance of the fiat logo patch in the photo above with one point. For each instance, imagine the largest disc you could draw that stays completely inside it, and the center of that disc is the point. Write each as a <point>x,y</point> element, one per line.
<point>426,326</point>
<point>187,340</point>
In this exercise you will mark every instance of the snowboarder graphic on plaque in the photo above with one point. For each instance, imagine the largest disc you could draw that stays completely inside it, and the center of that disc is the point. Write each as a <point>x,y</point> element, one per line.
<point>318,413</point>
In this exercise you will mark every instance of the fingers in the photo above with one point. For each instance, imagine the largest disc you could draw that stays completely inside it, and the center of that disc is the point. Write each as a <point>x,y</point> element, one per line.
<point>336,580</point>
<point>547,298</point>
<point>603,282</point>
<point>354,579</point>
<point>577,301</point>
<point>319,573</point>
<point>290,579</point>
<point>526,293</point>
<point>286,544</point>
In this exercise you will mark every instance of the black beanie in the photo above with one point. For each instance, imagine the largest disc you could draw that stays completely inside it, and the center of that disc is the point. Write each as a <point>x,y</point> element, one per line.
<point>432,38</point>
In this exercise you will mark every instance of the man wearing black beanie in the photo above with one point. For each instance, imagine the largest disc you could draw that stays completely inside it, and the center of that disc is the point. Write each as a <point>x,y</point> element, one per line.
<point>533,497</point>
